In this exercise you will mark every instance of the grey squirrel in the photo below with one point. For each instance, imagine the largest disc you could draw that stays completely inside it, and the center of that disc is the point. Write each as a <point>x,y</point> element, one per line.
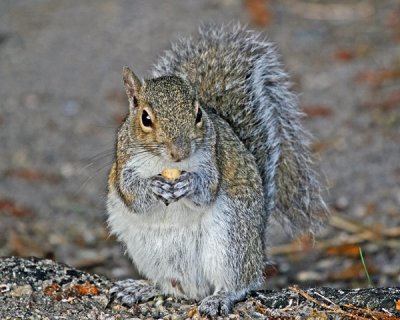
<point>218,111</point>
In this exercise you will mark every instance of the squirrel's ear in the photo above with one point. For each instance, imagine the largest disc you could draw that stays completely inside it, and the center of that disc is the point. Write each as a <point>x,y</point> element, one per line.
<point>132,86</point>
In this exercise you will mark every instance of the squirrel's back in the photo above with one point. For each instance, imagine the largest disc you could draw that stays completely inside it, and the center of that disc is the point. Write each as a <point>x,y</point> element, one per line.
<point>237,73</point>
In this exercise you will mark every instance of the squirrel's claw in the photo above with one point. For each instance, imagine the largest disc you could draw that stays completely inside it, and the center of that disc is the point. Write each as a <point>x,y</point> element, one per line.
<point>161,182</point>
<point>165,196</point>
<point>132,291</point>
<point>171,191</point>
<point>183,185</point>
<point>216,305</point>
<point>162,189</point>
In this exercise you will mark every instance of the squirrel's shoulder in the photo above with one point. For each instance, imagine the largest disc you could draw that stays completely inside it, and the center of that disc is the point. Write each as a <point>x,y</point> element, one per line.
<point>237,165</point>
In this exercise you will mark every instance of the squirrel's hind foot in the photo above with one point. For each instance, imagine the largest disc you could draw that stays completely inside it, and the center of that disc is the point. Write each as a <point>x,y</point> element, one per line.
<point>130,291</point>
<point>219,304</point>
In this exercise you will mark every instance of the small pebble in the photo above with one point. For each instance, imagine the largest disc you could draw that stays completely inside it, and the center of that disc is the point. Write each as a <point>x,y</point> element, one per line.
<point>342,203</point>
<point>5,287</point>
<point>25,290</point>
<point>32,101</point>
<point>102,299</point>
<point>309,276</point>
<point>71,108</point>
<point>159,301</point>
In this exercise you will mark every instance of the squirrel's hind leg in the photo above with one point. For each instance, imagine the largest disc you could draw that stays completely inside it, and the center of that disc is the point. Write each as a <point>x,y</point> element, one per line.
<point>130,291</point>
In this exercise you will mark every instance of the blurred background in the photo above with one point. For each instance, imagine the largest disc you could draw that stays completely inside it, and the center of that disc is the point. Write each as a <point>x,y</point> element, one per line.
<point>61,100</point>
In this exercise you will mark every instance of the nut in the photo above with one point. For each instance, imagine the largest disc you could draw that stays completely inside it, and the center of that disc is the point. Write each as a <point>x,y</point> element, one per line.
<point>171,174</point>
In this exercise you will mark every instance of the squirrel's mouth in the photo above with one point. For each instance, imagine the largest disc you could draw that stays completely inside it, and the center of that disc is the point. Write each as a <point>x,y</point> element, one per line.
<point>188,162</point>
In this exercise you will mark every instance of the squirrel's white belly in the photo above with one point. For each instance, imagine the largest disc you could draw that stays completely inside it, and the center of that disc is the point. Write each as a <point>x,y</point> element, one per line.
<point>168,244</point>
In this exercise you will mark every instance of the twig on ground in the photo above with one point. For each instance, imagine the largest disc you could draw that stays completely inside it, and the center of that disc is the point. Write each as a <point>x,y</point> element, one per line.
<point>334,308</point>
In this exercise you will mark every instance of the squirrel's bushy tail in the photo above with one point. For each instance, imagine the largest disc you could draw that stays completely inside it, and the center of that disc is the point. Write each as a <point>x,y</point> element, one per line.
<point>237,73</point>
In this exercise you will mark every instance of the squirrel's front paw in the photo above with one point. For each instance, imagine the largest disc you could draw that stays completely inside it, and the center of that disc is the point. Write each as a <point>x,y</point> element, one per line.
<point>183,186</point>
<point>131,291</point>
<point>162,189</point>
<point>171,191</point>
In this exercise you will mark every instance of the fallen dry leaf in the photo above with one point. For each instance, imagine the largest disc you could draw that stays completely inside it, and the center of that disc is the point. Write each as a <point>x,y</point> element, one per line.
<point>51,289</point>
<point>376,78</point>
<point>192,312</point>
<point>351,250</point>
<point>397,305</point>
<point>344,55</point>
<point>319,111</point>
<point>86,289</point>
<point>33,175</point>
<point>261,309</point>
<point>258,11</point>
<point>57,293</point>
<point>10,207</point>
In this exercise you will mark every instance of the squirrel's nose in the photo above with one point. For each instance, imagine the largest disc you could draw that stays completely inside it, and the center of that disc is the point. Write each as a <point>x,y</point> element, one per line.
<point>178,153</point>
<point>174,155</point>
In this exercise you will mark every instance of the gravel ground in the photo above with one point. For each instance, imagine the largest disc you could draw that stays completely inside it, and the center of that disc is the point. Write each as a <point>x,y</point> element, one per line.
<point>43,289</point>
<point>62,99</point>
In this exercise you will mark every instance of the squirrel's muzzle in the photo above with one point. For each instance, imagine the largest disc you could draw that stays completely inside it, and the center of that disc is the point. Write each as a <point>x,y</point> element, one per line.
<point>179,151</point>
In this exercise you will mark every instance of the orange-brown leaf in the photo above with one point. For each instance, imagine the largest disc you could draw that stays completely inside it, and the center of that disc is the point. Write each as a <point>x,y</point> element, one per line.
<point>376,78</point>
<point>258,11</point>
<point>33,175</point>
<point>192,312</point>
<point>86,289</point>
<point>51,289</point>
<point>344,55</point>
<point>320,111</point>
<point>351,250</point>
<point>10,207</point>
<point>397,305</point>
<point>261,309</point>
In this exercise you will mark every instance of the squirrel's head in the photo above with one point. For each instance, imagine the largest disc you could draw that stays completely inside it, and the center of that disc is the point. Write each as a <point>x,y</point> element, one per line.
<point>165,115</point>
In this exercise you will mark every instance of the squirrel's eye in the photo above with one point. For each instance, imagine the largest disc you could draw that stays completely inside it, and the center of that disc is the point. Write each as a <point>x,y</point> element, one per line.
<point>198,117</point>
<point>146,119</point>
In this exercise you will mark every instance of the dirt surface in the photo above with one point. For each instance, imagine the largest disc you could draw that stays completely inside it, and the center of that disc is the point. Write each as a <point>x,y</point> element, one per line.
<point>61,99</point>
